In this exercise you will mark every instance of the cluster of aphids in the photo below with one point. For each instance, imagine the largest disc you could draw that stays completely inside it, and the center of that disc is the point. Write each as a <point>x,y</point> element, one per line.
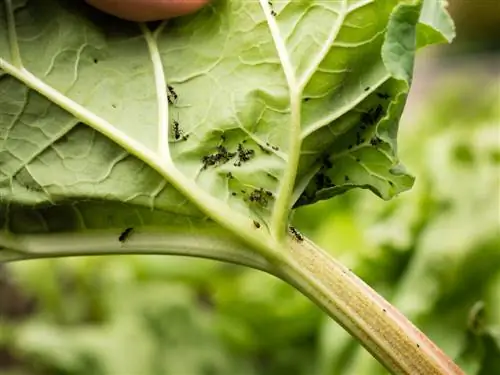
<point>370,118</point>
<point>322,180</point>
<point>273,12</point>
<point>244,155</point>
<point>221,156</point>
<point>260,196</point>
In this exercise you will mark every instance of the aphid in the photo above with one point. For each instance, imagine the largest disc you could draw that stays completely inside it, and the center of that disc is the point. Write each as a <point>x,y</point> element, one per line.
<point>346,178</point>
<point>273,13</point>
<point>307,99</point>
<point>229,175</point>
<point>178,133</point>
<point>264,150</point>
<point>349,147</point>
<point>358,160</point>
<point>296,234</point>
<point>125,235</point>
<point>233,194</point>
<point>383,95</point>
<point>171,95</point>
<point>275,148</point>
<point>256,224</point>
<point>367,88</point>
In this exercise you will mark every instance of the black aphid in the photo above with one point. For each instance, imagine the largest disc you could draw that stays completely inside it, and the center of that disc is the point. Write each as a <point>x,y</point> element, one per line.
<point>264,150</point>
<point>367,88</point>
<point>358,160</point>
<point>349,147</point>
<point>346,178</point>
<point>171,95</point>
<point>257,224</point>
<point>233,194</point>
<point>229,175</point>
<point>296,234</point>
<point>275,148</point>
<point>383,95</point>
<point>125,234</point>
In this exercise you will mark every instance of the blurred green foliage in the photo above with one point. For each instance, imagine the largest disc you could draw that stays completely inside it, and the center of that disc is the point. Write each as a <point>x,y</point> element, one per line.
<point>434,252</point>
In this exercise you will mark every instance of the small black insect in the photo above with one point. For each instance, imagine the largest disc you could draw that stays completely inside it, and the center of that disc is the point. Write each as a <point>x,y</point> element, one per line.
<point>125,235</point>
<point>275,148</point>
<point>383,95</point>
<point>229,175</point>
<point>346,178</point>
<point>256,224</point>
<point>349,147</point>
<point>367,88</point>
<point>296,234</point>
<point>307,99</point>
<point>358,160</point>
<point>273,13</point>
<point>178,133</point>
<point>233,194</point>
<point>264,150</point>
<point>171,95</point>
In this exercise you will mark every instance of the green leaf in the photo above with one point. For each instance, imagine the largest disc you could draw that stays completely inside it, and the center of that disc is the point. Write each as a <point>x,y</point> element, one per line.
<point>225,118</point>
<point>436,25</point>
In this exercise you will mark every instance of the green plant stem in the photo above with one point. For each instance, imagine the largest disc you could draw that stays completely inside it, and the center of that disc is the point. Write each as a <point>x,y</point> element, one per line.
<point>381,329</point>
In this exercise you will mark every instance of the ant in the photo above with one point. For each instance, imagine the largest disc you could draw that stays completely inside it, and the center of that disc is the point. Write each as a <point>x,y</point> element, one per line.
<point>296,234</point>
<point>178,133</point>
<point>171,95</point>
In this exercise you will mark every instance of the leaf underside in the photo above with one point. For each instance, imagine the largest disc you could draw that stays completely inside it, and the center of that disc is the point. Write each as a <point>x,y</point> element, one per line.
<point>269,106</point>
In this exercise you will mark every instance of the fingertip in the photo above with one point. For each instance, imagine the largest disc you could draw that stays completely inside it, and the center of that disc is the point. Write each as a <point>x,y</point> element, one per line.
<point>147,10</point>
